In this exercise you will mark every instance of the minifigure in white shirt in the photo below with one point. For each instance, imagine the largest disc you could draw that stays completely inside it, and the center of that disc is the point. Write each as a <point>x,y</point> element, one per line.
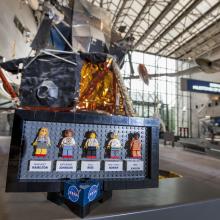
<point>67,144</point>
<point>114,145</point>
<point>91,145</point>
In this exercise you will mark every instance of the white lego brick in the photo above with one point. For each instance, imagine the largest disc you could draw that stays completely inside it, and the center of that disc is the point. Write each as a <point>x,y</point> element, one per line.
<point>66,166</point>
<point>136,165</point>
<point>40,166</point>
<point>113,165</point>
<point>90,165</point>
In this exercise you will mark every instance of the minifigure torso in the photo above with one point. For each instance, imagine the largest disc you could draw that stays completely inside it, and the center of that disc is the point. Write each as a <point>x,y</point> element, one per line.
<point>114,143</point>
<point>92,142</point>
<point>68,141</point>
<point>43,141</point>
<point>135,144</point>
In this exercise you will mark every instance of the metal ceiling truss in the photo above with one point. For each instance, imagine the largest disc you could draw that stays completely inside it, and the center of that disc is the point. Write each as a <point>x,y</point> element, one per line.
<point>197,45</point>
<point>174,23</point>
<point>139,17</point>
<point>156,22</point>
<point>208,28</point>
<point>119,12</point>
<point>169,28</point>
<point>190,26</point>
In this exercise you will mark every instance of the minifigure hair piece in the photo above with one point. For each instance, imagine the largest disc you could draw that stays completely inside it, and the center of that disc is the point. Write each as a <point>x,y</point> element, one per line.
<point>136,134</point>
<point>110,134</point>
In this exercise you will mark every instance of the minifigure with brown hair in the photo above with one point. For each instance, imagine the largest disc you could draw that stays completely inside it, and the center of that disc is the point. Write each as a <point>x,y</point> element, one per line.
<point>135,146</point>
<point>67,143</point>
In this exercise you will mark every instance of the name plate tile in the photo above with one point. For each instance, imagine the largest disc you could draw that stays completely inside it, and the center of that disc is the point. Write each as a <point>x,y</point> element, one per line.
<point>40,166</point>
<point>90,165</point>
<point>135,165</point>
<point>113,165</point>
<point>66,166</point>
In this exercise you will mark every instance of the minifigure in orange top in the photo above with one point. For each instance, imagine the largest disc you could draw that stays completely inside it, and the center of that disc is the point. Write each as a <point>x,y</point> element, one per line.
<point>135,146</point>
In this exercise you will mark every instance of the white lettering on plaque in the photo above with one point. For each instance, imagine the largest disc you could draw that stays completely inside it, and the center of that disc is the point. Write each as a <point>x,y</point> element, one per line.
<point>135,165</point>
<point>90,165</point>
<point>40,166</point>
<point>66,166</point>
<point>113,165</point>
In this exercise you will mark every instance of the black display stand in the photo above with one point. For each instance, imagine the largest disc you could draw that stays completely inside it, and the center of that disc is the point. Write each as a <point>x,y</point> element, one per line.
<point>80,211</point>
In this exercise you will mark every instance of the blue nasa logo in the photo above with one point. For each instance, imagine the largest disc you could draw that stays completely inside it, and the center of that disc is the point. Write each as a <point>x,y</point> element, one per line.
<point>73,193</point>
<point>93,192</point>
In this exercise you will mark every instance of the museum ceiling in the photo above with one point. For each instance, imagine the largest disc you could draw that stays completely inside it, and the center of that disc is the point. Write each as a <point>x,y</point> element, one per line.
<point>173,28</point>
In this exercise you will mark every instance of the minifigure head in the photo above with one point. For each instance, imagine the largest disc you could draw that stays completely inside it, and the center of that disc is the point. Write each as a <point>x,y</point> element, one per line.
<point>68,133</point>
<point>115,136</point>
<point>43,132</point>
<point>92,134</point>
<point>136,135</point>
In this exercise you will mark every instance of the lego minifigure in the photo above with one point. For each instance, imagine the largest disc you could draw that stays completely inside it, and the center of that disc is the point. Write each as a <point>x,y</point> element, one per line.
<point>135,146</point>
<point>67,144</point>
<point>91,145</point>
<point>41,143</point>
<point>114,145</point>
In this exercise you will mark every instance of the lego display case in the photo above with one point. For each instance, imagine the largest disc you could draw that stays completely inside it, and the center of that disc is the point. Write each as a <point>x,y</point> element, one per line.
<point>46,171</point>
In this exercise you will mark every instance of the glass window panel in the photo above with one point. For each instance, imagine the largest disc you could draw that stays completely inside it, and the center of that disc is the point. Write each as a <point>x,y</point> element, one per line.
<point>150,69</point>
<point>161,61</point>
<point>136,84</point>
<point>160,89</point>
<point>149,59</point>
<point>137,57</point>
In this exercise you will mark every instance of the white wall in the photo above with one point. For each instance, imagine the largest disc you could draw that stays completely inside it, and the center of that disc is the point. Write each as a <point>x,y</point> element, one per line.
<point>12,43</point>
<point>203,100</point>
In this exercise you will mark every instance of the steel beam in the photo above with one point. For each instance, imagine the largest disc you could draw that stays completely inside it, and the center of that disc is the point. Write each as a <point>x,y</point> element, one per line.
<point>119,12</point>
<point>174,23</point>
<point>147,3</point>
<point>216,23</point>
<point>101,3</point>
<point>166,10</point>
<point>190,26</point>
<point>200,50</point>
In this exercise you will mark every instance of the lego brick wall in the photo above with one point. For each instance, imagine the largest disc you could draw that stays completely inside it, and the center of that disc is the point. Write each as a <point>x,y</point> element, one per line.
<point>30,129</point>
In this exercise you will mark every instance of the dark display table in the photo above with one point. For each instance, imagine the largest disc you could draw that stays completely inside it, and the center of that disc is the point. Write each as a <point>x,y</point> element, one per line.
<point>178,198</point>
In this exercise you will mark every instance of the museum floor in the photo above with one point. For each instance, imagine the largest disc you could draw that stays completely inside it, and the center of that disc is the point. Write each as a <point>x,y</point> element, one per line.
<point>196,167</point>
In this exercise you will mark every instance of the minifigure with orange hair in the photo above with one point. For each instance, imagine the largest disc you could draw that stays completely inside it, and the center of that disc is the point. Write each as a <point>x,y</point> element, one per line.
<point>41,143</point>
<point>135,146</point>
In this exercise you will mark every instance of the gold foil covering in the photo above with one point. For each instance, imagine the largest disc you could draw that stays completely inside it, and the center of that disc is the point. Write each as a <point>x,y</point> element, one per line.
<point>96,88</point>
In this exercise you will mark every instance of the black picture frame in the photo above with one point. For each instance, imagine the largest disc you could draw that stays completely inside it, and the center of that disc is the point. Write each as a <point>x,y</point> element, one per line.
<point>14,184</point>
